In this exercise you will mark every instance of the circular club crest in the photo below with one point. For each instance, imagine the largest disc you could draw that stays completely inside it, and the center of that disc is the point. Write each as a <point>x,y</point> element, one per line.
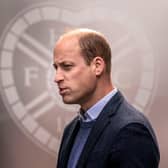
<point>26,72</point>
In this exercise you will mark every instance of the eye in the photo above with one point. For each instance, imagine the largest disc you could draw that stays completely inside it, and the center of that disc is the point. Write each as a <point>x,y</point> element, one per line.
<point>67,66</point>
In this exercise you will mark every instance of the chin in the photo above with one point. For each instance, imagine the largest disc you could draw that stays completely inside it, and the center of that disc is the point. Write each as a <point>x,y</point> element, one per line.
<point>70,101</point>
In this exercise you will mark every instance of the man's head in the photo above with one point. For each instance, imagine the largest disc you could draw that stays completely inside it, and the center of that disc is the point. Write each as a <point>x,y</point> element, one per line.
<point>82,59</point>
<point>92,44</point>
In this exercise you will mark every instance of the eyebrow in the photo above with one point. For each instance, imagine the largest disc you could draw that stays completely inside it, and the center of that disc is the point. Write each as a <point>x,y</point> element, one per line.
<point>62,63</point>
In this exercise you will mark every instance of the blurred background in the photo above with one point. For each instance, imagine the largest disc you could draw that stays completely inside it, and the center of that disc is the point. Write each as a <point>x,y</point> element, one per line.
<point>32,115</point>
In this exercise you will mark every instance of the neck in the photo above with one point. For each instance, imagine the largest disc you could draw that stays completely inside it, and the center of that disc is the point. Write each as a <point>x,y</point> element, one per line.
<point>102,90</point>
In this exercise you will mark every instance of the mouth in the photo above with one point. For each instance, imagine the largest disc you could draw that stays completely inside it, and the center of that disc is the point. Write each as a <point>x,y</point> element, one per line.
<point>63,91</point>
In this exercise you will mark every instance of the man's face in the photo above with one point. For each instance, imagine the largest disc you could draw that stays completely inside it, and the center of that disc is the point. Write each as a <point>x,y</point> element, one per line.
<point>75,79</point>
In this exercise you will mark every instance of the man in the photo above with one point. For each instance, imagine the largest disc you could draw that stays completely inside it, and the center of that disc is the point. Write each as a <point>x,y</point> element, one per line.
<point>108,132</point>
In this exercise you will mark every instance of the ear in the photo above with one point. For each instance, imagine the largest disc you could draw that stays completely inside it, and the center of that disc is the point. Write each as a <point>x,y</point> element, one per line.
<point>99,65</point>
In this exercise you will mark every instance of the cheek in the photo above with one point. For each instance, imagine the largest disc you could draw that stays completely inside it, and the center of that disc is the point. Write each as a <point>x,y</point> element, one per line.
<point>81,78</point>
<point>85,82</point>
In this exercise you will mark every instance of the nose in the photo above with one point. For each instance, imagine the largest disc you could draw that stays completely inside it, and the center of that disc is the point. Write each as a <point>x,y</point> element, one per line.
<point>58,76</point>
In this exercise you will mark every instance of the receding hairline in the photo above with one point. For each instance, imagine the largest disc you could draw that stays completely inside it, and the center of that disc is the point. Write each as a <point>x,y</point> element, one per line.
<point>77,33</point>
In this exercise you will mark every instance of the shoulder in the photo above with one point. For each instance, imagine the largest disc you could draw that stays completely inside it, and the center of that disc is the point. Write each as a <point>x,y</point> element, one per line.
<point>128,116</point>
<point>134,145</point>
<point>119,108</point>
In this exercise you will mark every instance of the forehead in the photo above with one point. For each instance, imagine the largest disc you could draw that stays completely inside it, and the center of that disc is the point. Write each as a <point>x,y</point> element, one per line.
<point>66,44</point>
<point>67,48</point>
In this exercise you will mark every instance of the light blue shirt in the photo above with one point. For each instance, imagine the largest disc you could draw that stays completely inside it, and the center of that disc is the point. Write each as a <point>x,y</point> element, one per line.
<point>93,112</point>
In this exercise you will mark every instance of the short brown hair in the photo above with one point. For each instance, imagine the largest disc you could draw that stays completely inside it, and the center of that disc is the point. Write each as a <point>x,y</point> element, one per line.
<point>93,44</point>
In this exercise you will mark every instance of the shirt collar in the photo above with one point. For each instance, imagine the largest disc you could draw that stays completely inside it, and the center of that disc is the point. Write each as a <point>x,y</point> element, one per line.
<point>93,112</point>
